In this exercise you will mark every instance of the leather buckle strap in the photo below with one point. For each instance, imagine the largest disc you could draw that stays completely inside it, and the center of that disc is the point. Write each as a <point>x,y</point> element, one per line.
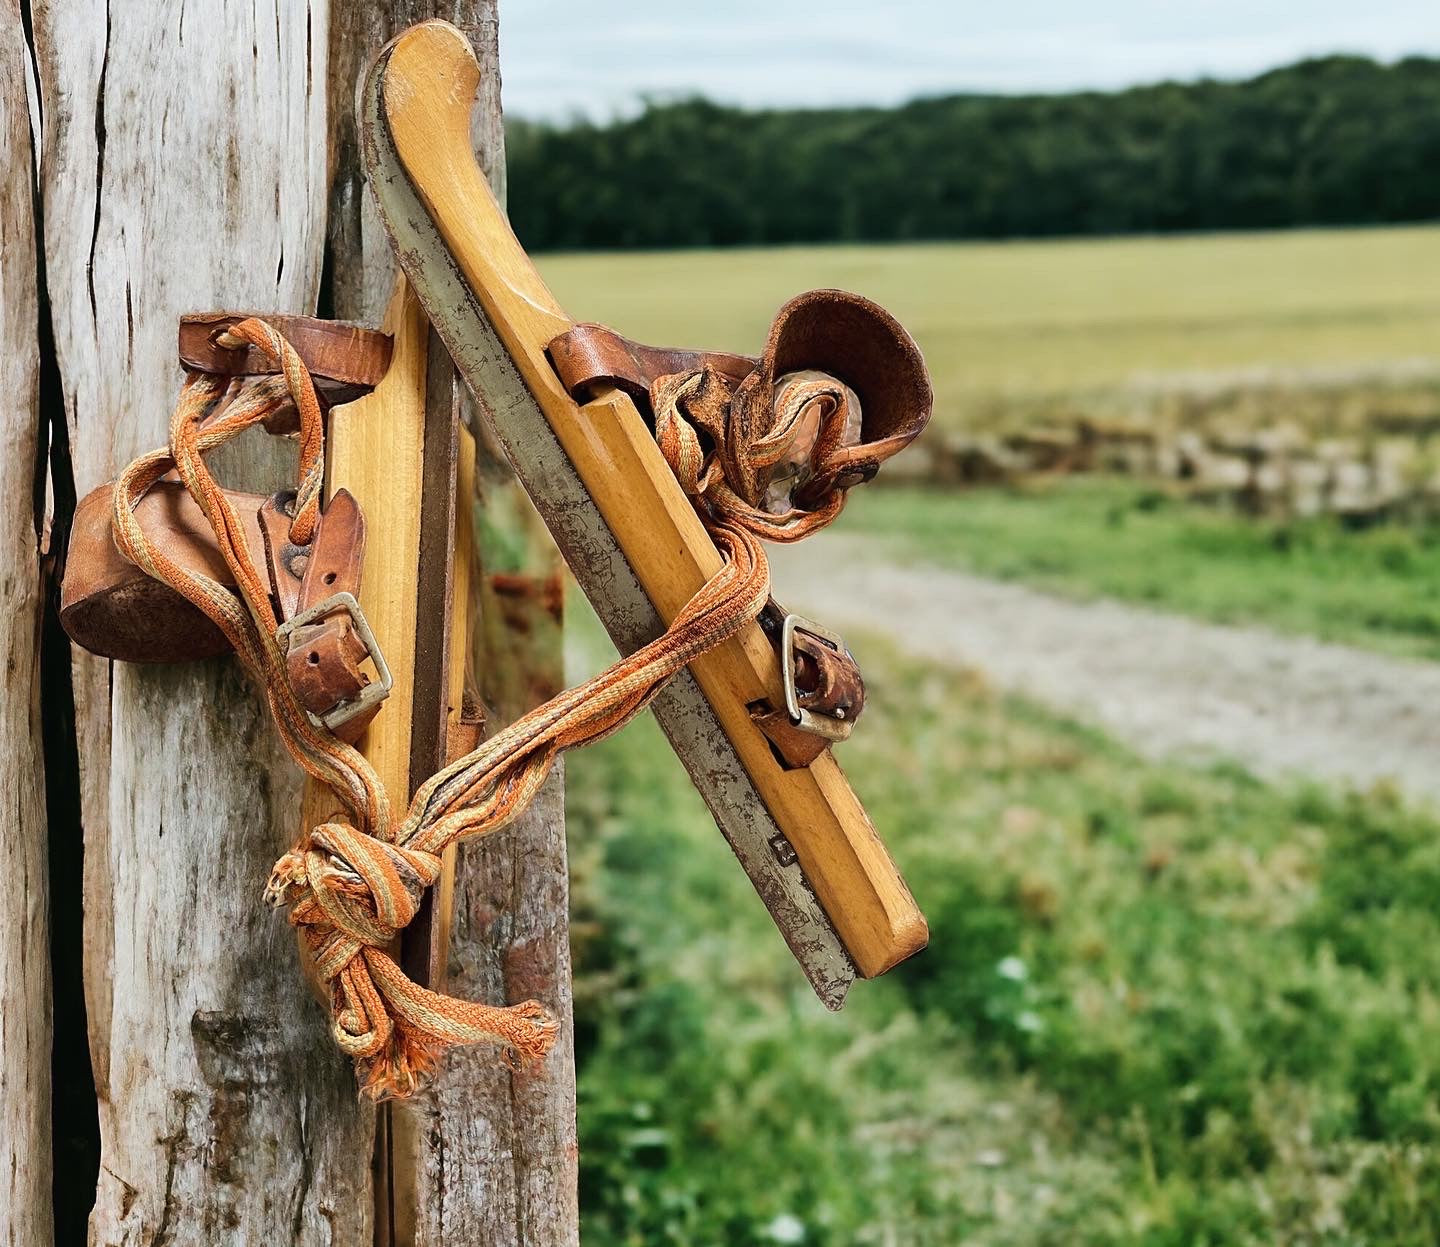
<point>371,694</point>
<point>829,720</point>
<point>326,651</point>
<point>824,692</point>
<point>345,361</point>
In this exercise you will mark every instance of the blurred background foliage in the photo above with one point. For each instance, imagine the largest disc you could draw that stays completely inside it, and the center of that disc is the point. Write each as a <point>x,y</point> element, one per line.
<point>1340,140</point>
<point>1162,1005</point>
<point>1165,1004</point>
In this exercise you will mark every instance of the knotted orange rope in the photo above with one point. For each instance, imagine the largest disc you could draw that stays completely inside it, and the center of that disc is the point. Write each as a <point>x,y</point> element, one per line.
<point>352,885</point>
<point>728,482</point>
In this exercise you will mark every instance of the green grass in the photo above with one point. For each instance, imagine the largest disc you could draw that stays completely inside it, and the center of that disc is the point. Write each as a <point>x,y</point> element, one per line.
<point>1007,326</point>
<point>1378,587</point>
<point>1160,1006</point>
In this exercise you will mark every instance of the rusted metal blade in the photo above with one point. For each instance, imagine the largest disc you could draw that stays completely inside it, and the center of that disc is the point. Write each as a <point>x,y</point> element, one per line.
<point>596,559</point>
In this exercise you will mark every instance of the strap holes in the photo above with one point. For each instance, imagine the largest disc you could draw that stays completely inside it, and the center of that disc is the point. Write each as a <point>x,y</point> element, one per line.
<point>313,658</point>
<point>329,578</point>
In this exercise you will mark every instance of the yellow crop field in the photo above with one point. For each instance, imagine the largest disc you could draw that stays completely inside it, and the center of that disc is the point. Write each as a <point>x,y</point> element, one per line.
<point>1009,327</point>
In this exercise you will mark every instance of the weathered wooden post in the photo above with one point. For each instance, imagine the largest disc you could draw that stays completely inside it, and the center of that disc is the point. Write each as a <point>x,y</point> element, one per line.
<point>194,158</point>
<point>489,1155</point>
<point>25,1035</point>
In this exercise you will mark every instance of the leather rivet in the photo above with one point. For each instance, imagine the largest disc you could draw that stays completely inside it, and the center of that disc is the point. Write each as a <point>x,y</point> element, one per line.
<point>784,851</point>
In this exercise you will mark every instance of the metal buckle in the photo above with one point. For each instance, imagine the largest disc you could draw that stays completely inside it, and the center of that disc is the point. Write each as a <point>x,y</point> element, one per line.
<point>371,693</point>
<point>836,728</point>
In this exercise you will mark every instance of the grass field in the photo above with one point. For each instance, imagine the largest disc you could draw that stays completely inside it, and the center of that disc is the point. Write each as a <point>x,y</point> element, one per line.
<point>1160,1007</point>
<point>1014,325</point>
<point>1008,328</point>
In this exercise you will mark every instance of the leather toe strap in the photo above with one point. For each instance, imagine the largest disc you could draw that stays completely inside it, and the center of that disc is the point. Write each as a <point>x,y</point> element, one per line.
<point>589,357</point>
<point>346,361</point>
<point>834,332</point>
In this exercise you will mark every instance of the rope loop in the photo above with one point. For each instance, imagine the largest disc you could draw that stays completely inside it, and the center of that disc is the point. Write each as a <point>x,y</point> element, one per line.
<point>354,882</point>
<point>301,388</point>
<point>365,888</point>
<point>729,467</point>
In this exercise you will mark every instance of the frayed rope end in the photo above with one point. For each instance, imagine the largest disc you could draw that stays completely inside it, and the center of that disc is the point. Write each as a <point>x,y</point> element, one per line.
<point>407,1064</point>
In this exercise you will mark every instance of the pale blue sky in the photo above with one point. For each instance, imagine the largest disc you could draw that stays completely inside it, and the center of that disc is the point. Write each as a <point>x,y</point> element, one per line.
<point>559,57</point>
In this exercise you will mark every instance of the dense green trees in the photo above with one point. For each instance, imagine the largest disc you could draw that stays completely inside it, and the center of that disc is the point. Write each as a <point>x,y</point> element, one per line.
<point>1341,140</point>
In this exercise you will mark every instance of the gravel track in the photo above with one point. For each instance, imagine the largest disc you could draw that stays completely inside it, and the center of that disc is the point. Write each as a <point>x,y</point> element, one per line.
<point>1167,685</point>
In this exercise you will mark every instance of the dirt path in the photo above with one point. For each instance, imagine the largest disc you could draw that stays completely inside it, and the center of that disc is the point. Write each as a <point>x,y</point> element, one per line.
<point>1165,684</point>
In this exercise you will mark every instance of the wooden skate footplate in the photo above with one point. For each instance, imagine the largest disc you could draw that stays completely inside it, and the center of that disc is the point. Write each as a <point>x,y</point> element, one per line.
<point>639,550</point>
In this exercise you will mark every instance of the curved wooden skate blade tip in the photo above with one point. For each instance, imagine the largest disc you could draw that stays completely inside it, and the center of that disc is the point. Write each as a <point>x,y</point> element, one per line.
<point>427,81</point>
<point>436,59</point>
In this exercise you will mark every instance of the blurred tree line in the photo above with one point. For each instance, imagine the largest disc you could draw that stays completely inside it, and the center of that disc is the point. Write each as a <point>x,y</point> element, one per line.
<point>1339,140</point>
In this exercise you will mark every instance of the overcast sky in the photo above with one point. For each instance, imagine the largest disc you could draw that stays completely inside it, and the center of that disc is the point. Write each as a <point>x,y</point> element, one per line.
<point>560,57</point>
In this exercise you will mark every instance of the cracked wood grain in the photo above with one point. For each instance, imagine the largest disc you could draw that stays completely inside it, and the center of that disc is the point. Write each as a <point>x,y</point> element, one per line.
<point>184,168</point>
<point>188,156</point>
<point>25,1136</point>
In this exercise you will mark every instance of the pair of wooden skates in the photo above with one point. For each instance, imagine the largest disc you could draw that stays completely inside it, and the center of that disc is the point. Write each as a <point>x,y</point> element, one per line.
<point>577,410</point>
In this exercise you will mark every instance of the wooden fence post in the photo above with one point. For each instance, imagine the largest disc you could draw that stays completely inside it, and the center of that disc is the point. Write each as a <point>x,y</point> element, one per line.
<point>494,1158</point>
<point>198,157</point>
<point>25,1142</point>
<point>183,168</point>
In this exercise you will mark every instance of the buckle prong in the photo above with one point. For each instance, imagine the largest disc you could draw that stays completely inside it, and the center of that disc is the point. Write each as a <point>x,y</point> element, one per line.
<point>346,710</point>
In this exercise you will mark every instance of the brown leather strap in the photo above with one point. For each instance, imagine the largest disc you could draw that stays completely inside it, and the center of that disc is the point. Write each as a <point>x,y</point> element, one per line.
<point>112,608</point>
<point>324,658</point>
<point>829,683</point>
<point>336,557</point>
<point>829,331</point>
<point>323,661</point>
<point>857,342</point>
<point>345,360</point>
<point>589,356</point>
<point>284,560</point>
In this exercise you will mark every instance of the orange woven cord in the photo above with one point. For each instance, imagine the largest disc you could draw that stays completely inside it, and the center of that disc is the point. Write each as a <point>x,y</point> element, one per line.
<point>726,483</point>
<point>351,886</point>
